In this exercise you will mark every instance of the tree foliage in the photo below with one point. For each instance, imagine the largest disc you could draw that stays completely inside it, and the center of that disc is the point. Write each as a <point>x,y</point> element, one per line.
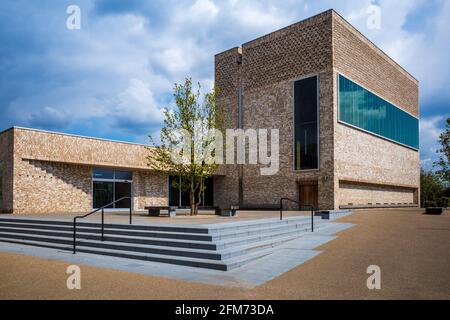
<point>431,188</point>
<point>443,163</point>
<point>188,142</point>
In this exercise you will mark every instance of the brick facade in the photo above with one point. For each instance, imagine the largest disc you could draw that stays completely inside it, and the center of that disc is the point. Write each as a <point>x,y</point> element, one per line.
<point>264,70</point>
<point>52,173</point>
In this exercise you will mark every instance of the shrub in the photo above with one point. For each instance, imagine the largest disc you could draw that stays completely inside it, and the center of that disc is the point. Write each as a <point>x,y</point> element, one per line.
<point>444,202</point>
<point>428,204</point>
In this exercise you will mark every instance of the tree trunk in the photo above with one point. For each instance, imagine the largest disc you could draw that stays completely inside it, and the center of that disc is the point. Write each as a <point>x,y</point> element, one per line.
<point>192,198</point>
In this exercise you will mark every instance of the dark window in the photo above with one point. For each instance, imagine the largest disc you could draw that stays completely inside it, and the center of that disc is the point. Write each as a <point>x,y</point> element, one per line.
<point>363,109</point>
<point>103,193</point>
<point>181,198</point>
<point>103,174</point>
<point>306,124</point>
<point>123,175</point>
<point>111,185</point>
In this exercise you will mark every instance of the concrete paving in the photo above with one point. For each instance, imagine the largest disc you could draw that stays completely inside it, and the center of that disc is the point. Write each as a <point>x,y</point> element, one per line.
<point>284,258</point>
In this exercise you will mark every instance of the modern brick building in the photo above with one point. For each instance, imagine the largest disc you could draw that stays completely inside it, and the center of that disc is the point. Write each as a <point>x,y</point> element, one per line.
<point>347,116</point>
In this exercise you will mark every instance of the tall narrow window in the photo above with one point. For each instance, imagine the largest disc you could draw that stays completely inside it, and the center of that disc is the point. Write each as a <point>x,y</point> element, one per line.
<point>306,124</point>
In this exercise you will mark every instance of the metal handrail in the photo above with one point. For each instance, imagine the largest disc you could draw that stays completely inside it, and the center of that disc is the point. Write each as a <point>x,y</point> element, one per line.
<point>305,205</point>
<point>103,220</point>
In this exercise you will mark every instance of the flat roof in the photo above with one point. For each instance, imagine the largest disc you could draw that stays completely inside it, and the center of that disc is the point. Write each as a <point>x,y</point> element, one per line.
<point>74,135</point>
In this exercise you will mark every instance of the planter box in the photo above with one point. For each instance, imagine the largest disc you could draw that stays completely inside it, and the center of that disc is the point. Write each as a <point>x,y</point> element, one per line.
<point>434,210</point>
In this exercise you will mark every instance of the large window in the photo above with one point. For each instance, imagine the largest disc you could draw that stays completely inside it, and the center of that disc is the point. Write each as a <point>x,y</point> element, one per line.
<point>306,121</point>
<point>365,110</point>
<point>111,185</point>
<point>180,198</point>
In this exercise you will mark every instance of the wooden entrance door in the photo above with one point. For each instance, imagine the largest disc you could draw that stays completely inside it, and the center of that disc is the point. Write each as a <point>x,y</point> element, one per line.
<point>308,195</point>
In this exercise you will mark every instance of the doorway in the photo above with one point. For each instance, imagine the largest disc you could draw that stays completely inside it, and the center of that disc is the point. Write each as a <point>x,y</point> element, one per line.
<point>111,185</point>
<point>308,194</point>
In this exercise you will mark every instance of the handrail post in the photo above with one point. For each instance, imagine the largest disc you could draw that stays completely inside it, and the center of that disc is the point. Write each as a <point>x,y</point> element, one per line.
<point>103,223</point>
<point>312,218</point>
<point>130,212</point>
<point>74,234</point>
<point>281,209</point>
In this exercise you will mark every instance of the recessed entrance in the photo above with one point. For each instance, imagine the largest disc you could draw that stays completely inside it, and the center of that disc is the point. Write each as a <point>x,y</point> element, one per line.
<point>111,185</point>
<point>308,194</point>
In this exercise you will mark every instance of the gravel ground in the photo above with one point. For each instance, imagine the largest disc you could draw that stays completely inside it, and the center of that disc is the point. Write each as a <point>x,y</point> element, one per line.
<point>412,250</point>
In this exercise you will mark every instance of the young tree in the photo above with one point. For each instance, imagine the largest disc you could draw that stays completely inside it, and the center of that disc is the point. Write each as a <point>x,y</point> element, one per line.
<point>190,139</point>
<point>443,164</point>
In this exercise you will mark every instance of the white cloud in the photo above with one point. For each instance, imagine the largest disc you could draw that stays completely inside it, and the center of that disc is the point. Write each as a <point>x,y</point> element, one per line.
<point>430,129</point>
<point>205,9</point>
<point>137,105</point>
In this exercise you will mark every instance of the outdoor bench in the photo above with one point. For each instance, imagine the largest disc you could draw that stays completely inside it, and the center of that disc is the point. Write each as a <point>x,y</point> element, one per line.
<point>155,211</point>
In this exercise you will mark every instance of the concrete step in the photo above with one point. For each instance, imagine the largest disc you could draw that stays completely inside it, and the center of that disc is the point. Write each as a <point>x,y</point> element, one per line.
<point>260,229</point>
<point>111,230</point>
<point>218,228</point>
<point>81,223</point>
<point>183,252</point>
<point>264,234</point>
<point>165,250</point>
<point>224,265</point>
<point>218,233</point>
<point>177,243</point>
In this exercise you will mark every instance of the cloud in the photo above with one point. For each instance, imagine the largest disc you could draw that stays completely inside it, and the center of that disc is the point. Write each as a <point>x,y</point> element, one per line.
<point>112,77</point>
<point>50,118</point>
<point>137,107</point>
<point>430,129</point>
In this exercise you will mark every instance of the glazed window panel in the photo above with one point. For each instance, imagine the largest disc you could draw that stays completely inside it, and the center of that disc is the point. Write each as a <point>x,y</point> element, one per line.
<point>306,124</point>
<point>363,109</point>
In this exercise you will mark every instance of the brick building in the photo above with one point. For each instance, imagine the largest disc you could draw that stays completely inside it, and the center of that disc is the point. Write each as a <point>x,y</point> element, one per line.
<point>347,116</point>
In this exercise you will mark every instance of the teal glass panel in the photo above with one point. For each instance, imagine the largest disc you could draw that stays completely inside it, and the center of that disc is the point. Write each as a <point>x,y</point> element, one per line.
<point>363,109</point>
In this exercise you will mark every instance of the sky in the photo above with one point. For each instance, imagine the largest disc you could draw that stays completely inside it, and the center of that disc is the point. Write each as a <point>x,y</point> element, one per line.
<point>112,77</point>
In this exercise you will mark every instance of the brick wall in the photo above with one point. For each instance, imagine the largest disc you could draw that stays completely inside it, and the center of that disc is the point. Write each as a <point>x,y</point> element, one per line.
<point>361,156</point>
<point>324,44</point>
<point>52,172</point>
<point>269,66</point>
<point>6,154</point>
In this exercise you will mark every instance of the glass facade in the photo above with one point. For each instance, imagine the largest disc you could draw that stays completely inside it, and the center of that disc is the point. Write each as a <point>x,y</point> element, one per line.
<point>306,129</point>
<point>363,109</point>
<point>180,198</point>
<point>110,185</point>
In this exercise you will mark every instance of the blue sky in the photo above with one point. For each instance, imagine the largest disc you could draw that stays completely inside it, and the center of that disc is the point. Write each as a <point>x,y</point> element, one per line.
<point>112,77</point>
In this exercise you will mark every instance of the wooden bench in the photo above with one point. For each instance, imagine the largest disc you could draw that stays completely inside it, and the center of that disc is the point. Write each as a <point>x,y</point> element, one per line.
<point>155,211</point>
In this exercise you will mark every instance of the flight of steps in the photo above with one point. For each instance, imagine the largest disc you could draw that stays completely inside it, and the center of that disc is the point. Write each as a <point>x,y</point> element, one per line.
<point>222,246</point>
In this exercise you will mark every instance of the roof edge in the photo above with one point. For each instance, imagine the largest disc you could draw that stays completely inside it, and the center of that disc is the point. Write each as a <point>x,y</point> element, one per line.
<point>75,136</point>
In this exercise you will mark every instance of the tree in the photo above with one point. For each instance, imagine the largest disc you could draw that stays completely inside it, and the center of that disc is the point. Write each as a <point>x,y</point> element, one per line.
<point>442,165</point>
<point>190,139</point>
<point>431,188</point>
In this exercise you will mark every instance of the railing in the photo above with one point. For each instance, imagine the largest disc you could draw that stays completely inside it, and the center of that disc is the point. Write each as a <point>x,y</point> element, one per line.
<point>304,206</point>
<point>103,221</point>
